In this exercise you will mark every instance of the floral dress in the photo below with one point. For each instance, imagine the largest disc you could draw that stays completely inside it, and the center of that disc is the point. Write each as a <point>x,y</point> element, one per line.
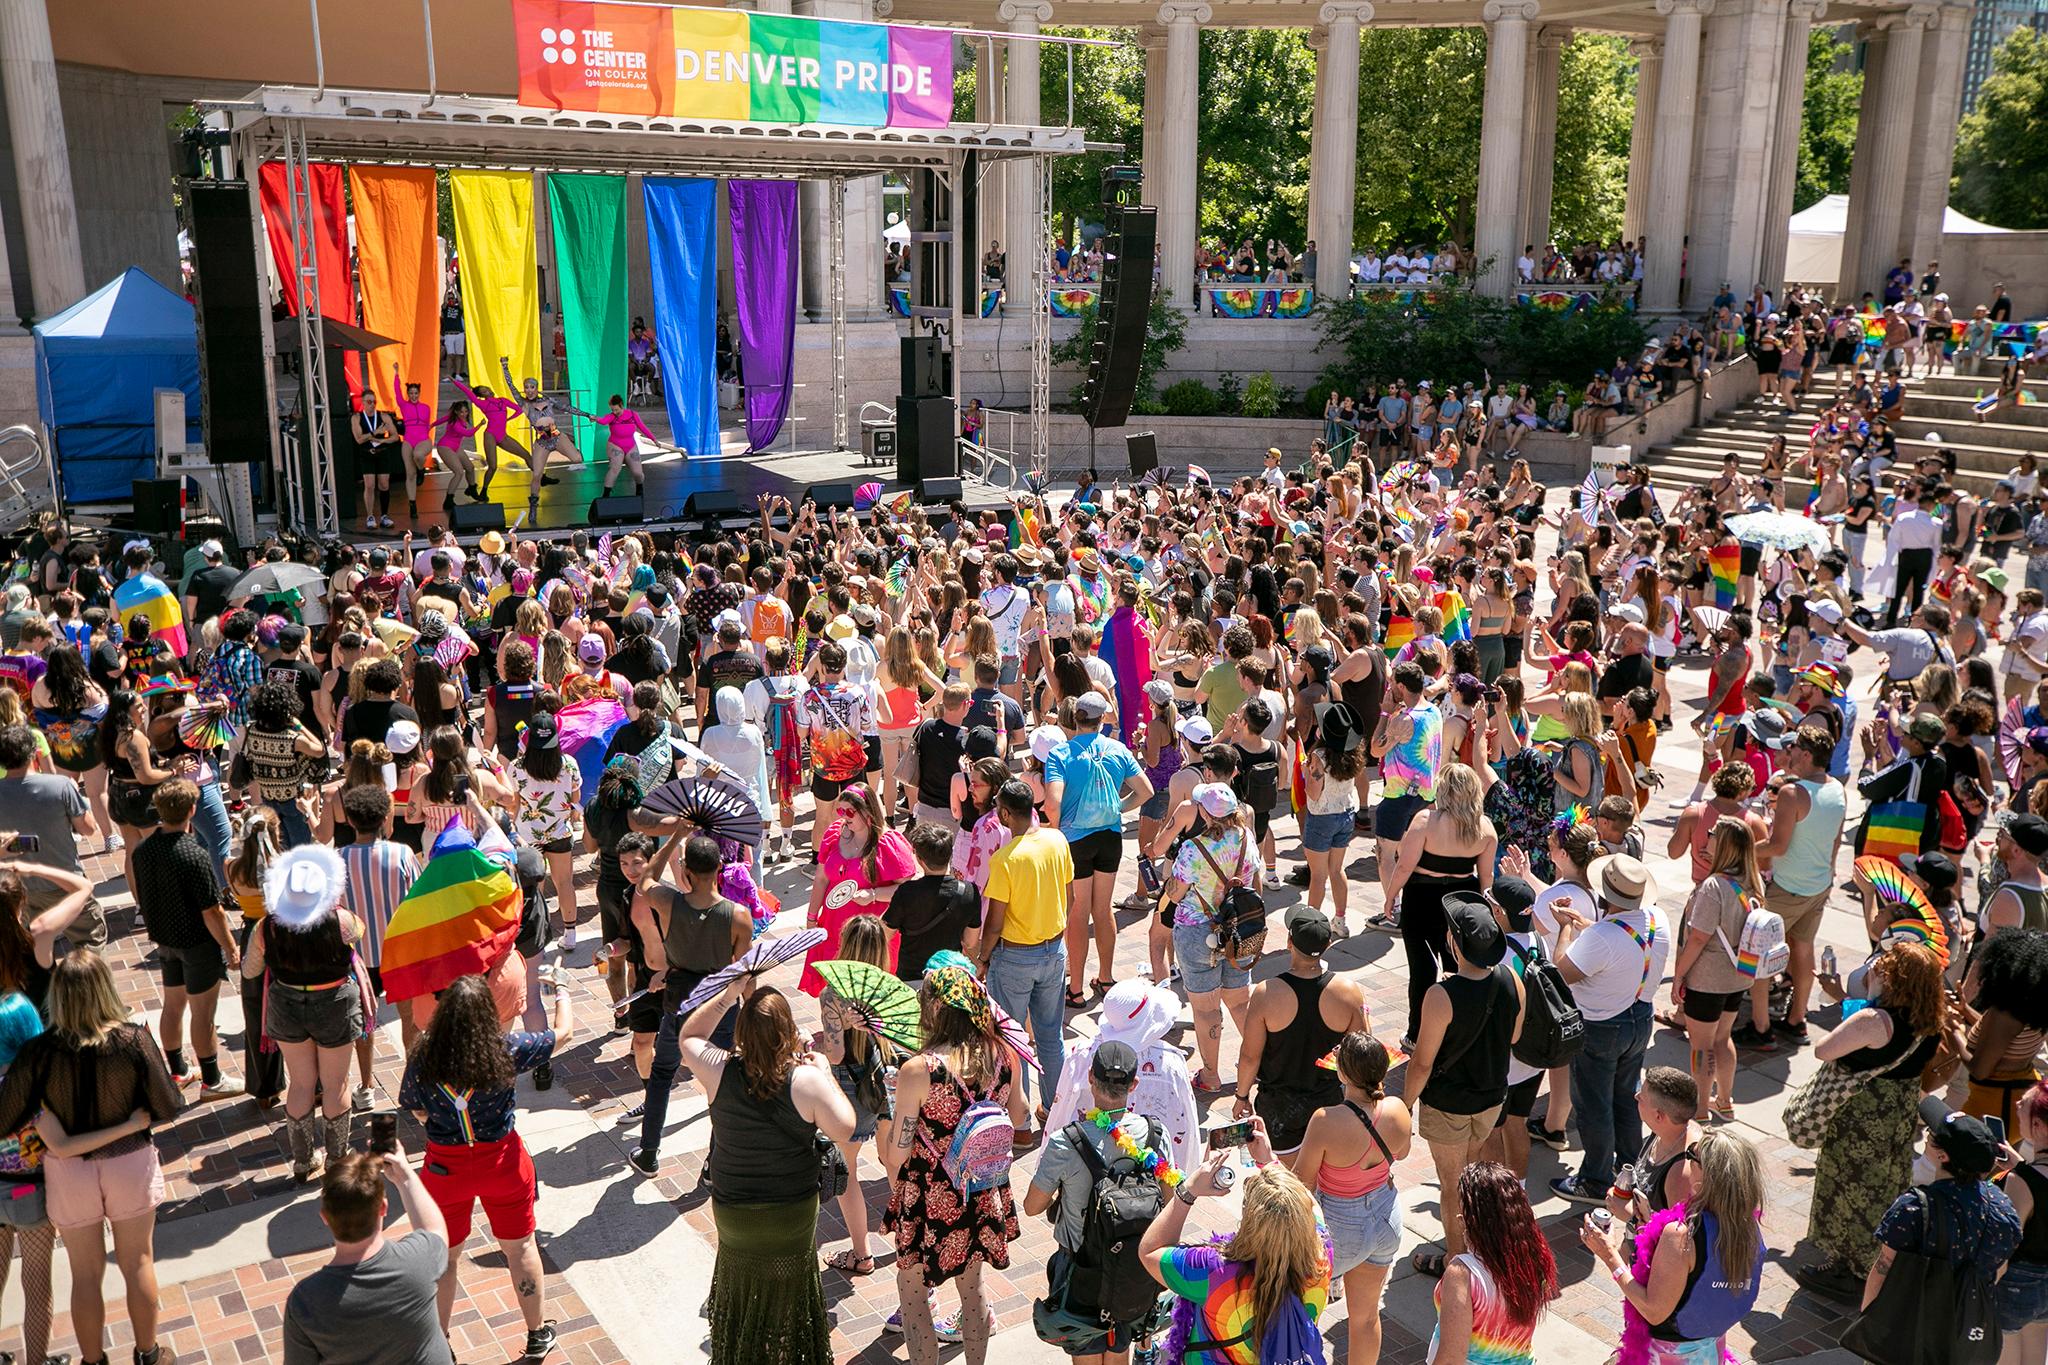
<point>937,1227</point>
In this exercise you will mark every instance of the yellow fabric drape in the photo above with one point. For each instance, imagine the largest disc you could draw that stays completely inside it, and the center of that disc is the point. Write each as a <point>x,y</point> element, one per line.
<point>400,278</point>
<point>496,255</point>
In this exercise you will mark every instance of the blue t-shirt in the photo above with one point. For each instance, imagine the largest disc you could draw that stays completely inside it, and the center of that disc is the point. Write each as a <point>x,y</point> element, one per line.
<point>1093,769</point>
<point>460,1118</point>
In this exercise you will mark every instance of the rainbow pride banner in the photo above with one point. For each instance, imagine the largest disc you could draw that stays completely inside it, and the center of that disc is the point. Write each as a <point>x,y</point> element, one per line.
<point>731,64</point>
<point>1726,563</point>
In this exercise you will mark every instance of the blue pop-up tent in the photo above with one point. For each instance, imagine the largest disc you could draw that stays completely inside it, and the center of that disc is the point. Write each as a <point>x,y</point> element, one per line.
<point>98,366</point>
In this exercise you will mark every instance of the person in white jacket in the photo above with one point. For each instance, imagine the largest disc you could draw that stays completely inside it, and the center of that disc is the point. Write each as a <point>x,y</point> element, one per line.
<point>1140,1014</point>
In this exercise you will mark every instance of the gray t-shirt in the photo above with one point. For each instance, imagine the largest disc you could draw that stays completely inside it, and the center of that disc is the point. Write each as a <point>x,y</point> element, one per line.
<point>324,1317</point>
<point>44,806</point>
<point>1063,1172</point>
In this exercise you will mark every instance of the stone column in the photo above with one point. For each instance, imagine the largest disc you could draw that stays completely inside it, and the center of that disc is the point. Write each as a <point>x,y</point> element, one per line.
<point>1875,43</point>
<point>1318,145</point>
<point>1497,211</point>
<point>42,165</point>
<point>1649,55</point>
<point>1664,220</point>
<point>1738,95</point>
<point>990,227</point>
<point>1183,20</point>
<point>1333,180</point>
<point>1550,41</point>
<point>1891,149</point>
<point>1940,99</point>
<point>1799,17</point>
<point>1023,190</point>
<point>1154,39</point>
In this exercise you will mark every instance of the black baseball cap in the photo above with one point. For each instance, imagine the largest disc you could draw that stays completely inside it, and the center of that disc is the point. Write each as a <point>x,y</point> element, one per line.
<point>1115,1063</point>
<point>1308,929</point>
<point>1934,867</point>
<point>1971,1150</point>
<point>2029,831</point>
<point>1473,928</point>
<point>1515,897</point>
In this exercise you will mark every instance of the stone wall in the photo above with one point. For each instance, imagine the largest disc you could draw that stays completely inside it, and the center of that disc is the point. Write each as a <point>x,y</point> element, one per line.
<point>1973,262</point>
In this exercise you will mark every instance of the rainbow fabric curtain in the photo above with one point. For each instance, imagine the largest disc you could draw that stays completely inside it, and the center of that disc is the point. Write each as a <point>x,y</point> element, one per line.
<point>682,255</point>
<point>400,277</point>
<point>588,213</point>
<point>495,248</point>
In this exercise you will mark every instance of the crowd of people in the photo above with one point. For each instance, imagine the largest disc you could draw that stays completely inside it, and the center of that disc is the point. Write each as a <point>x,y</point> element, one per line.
<point>1436,687</point>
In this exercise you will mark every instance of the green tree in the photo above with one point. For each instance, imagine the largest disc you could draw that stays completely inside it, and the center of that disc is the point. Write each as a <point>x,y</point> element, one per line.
<point>1109,102</point>
<point>1258,99</point>
<point>2002,146</point>
<point>1458,336</point>
<point>1420,93</point>
<point>1596,92</point>
<point>1827,125</point>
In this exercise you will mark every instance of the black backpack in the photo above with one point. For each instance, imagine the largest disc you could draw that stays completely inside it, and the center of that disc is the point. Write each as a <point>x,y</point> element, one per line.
<point>1553,1030</point>
<point>1107,1280</point>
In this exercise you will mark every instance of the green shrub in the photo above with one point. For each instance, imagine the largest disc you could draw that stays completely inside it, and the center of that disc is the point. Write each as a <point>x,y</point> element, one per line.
<point>1261,397</point>
<point>1191,398</point>
<point>1228,388</point>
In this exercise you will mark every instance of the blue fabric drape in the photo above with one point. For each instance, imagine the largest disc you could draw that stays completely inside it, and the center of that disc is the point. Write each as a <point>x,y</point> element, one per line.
<point>683,259</point>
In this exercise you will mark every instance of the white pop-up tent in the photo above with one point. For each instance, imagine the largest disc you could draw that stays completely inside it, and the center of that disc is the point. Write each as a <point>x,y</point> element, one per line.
<point>1814,251</point>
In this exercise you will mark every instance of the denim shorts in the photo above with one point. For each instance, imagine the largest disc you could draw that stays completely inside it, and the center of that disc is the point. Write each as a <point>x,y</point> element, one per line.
<point>865,1120</point>
<point>328,1018</point>
<point>1321,833</point>
<point>1364,1230</point>
<point>2022,1295</point>
<point>1155,806</point>
<point>1203,969</point>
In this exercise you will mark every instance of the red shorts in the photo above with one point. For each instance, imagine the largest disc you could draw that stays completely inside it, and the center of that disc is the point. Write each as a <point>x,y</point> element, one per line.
<point>498,1173</point>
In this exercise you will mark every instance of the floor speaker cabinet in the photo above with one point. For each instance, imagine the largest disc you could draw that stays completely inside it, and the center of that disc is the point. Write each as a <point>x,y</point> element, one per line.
<point>720,502</point>
<point>617,509</point>
<point>1144,450</point>
<point>476,517</point>
<point>832,497</point>
<point>924,368</point>
<point>939,492</point>
<point>158,505</point>
<point>924,440</point>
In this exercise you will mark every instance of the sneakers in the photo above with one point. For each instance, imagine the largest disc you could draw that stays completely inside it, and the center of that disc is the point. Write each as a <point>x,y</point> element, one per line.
<point>569,938</point>
<point>113,844</point>
<point>226,1088</point>
<point>363,1100</point>
<point>385,522</point>
<point>1298,876</point>
<point>540,1341</point>
<point>1755,1040</point>
<point>1553,1138</point>
<point>1272,879</point>
<point>1577,1191</point>
<point>646,1160</point>
<point>947,1328</point>
<point>1795,1034</point>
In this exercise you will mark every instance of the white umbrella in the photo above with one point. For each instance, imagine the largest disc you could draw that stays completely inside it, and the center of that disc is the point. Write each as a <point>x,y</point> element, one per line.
<point>1779,531</point>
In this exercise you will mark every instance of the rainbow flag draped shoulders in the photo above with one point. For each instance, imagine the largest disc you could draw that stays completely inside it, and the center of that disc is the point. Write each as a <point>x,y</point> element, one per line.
<point>151,596</point>
<point>459,918</point>
<point>1457,616</point>
<point>1400,632</point>
<point>1726,563</point>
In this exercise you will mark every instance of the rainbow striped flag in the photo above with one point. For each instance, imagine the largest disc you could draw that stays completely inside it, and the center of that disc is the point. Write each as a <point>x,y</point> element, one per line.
<point>148,594</point>
<point>1457,616</point>
<point>1024,528</point>
<point>1400,632</point>
<point>1726,563</point>
<point>459,918</point>
<point>1894,830</point>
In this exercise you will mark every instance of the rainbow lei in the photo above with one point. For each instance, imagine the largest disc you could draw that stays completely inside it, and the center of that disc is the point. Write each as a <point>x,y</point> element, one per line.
<point>1147,1159</point>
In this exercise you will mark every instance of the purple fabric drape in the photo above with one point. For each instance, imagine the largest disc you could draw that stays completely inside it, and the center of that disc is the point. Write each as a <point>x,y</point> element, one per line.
<point>764,280</point>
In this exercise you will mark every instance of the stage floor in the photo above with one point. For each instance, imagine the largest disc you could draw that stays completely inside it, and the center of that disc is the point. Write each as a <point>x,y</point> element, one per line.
<point>672,478</point>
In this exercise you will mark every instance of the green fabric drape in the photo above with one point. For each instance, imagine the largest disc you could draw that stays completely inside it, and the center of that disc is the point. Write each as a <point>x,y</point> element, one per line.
<point>589,217</point>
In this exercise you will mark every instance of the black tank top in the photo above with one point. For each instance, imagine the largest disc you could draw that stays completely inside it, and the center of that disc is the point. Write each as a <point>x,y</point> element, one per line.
<point>1292,1053</point>
<point>762,1153</point>
<point>1903,1055</point>
<point>2033,1247</point>
<point>1471,1071</point>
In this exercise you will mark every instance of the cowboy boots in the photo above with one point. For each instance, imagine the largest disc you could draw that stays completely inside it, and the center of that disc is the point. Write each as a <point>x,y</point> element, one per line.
<point>337,1136</point>
<point>300,1132</point>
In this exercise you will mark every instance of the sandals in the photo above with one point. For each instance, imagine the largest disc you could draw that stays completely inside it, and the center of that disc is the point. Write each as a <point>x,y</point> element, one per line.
<point>1100,986</point>
<point>846,1263</point>
<point>1076,1000</point>
<point>1430,1263</point>
<point>1670,1019</point>
<point>1196,1085</point>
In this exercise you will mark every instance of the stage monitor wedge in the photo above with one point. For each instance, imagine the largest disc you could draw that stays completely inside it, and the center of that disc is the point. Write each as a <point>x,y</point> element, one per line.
<point>1123,311</point>
<point>938,492</point>
<point>234,395</point>
<point>464,517</point>
<point>617,509</point>
<point>832,497</point>
<point>714,502</point>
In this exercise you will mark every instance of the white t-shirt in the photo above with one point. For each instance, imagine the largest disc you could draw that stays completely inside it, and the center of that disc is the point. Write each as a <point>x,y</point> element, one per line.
<point>2028,634</point>
<point>1099,672</point>
<point>1005,604</point>
<point>1525,267</point>
<point>1617,972</point>
<point>1570,896</point>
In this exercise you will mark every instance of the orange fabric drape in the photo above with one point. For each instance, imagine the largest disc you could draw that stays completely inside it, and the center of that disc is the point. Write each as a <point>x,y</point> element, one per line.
<point>401,284</point>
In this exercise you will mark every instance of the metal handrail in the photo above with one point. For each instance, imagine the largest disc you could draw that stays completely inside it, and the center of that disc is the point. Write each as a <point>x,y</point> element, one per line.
<point>887,410</point>
<point>988,459</point>
<point>12,470</point>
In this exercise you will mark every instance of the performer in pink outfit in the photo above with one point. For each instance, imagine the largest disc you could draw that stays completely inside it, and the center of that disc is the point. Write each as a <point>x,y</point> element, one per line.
<point>624,429</point>
<point>453,446</point>
<point>496,413</point>
<point>416,434</point>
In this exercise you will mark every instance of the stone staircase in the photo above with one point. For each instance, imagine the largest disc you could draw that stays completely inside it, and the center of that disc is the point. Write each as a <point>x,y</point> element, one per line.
<point>1940,407</point>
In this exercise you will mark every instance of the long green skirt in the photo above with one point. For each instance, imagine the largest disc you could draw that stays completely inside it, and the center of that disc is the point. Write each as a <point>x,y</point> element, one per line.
<point>1865,1162</point>
<point>766,1305</point>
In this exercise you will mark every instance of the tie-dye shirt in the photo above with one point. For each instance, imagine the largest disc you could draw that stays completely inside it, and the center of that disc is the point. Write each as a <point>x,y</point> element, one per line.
<point>1497,1339</point>
<point>1410,767</point>
<point>1216,1305</point>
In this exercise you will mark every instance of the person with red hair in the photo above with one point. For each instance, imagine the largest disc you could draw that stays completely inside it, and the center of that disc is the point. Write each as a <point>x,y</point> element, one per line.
<point>1492,1294</point>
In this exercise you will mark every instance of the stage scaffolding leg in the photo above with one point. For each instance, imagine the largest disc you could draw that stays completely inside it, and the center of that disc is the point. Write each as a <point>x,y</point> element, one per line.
<point>316,507</point>
<point>1041,317</point>
<point>835,220</point>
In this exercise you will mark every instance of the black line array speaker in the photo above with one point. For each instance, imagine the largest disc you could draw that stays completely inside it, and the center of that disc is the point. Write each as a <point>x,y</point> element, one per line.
<point>1123,306</point>
<point>924,440</point>
<point>832,497</point>
<point>476,516</point>
<point>1144,449</point>
<point>938,492</point>
<point>616,510</point>
<point>233,398</point>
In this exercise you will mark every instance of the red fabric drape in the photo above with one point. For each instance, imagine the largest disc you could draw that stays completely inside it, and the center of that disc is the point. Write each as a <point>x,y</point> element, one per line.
<point>330,247</point>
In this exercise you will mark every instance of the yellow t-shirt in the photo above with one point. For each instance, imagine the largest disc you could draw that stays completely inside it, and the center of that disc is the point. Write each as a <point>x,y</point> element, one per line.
<point>1030,875</point>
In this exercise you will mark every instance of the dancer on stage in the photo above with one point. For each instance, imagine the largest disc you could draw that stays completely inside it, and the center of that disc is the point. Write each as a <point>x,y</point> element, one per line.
<point>497,412</point>
<point>548,440</point>
<point>377,440</point>
<point>624,429</point>
<point>453,446</point>
<point>416,437</point>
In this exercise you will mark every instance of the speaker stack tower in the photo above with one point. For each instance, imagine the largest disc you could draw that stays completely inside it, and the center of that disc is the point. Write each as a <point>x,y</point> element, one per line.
<point>233,392</point>
<point>1124,301</point>
<point>924,415</point>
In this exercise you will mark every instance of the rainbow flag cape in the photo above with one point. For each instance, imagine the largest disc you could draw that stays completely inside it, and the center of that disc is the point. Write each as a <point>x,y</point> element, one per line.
<point>1024,528</point>
<point>1726,563</point>
<point>459,918</point>
<point>149,595</point>
<point>586,729</point>
<point>1400,632</point>
<point>1457,616</point>
<point>1894,830</point>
